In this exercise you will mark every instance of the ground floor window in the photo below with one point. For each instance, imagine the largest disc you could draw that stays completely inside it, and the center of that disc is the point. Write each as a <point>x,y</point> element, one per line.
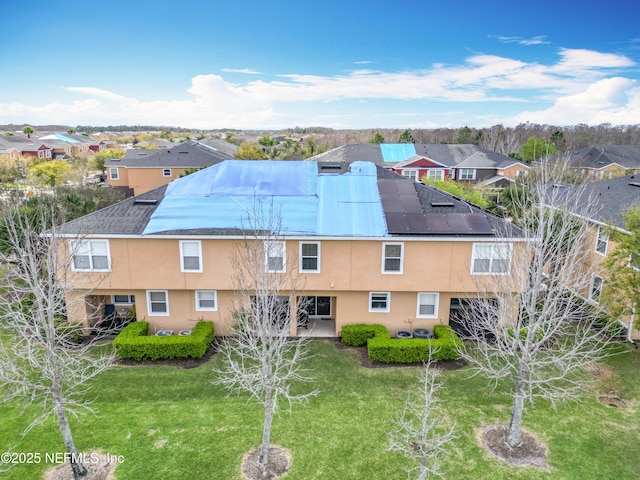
<point>123,299</point>
<point>379,301</point>
<point>427,305</point>
<point>206,300</point>
<point>596,289</point>
<point>158,302</point>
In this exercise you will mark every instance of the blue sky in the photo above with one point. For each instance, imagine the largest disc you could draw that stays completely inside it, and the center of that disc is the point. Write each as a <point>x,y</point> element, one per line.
<point>341,64</point>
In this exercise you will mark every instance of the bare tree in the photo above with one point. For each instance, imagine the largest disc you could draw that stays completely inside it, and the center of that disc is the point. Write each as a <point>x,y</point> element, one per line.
<point>261,358</point>
<point>534,326</point>
<point>40,361</point>
<point>420,432</point>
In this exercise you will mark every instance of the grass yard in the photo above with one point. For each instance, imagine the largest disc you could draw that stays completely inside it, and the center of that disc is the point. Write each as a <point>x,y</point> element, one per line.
<point>172,423</point>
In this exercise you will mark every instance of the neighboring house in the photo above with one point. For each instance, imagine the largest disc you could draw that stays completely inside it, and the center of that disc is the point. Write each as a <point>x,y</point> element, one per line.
<point>613,197</point>
<point>155,144</point>
<point>70,145</point>
<point>463,163</point>
<point>601,162</point>
<point>223,147</point>
<point>370,246</point>
<point>144,170</point>
<point>9,152</point>
<point>28,146</point>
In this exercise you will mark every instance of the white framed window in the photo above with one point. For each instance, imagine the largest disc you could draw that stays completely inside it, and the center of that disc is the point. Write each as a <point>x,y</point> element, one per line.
<point>206,300</point>
<point>392,257</point>
<point>595,289</point>
<point>158,303</point>
<point>379,301</point>
<point>190,256</point>
<point>113,173</point>
<point>123,299</point>
<point>310,257</point>
<point>411,173</point>
<point>491,258</point>
<point>166,172</point>
<point>521,173</point>
<point>435,174</point>
<point>275,259</point>
<point>467,174</point>
<point>602,240</point>
<point>427,305</point>
<point>90,255</point>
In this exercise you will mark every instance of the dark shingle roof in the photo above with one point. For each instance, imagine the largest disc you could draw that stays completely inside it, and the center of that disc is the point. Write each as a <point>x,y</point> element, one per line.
<point>128,217</point>
<point>131,216</point>
<point>614,197</point>
<point>600,156</point>
<point>185,155</point>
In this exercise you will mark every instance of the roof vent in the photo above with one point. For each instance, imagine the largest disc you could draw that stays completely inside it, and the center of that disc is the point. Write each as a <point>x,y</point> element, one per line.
<point>442,204</point>
<point>183,152</point>
<point>330,166</point>
<point>145,201</point>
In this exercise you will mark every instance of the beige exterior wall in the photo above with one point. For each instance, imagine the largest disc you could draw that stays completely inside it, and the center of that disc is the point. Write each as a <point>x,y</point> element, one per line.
<point>512,171</point>
<point>349,271</point>
<point>144,179</point>
<point>595,267</point>
<point>123,177</point>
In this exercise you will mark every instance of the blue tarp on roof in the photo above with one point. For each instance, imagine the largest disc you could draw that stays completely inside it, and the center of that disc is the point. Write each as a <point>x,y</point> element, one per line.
<point>350,204</point>
<point>225,195</point>
<point>397,152</point>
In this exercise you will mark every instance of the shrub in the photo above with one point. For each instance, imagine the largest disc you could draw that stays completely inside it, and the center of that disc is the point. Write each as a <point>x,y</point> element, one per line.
<point>69,332</point>
<point>444,346</point>
<point>134,343</point>
<point>357,335</point>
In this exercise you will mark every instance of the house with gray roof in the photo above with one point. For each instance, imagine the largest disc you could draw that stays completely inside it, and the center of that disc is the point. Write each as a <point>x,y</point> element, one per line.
<point>601,162</point>
<point>144,170</point>
<point>462,163</point>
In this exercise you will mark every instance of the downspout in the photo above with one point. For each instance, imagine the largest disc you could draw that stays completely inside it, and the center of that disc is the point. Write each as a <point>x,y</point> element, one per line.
<point>630,325</point>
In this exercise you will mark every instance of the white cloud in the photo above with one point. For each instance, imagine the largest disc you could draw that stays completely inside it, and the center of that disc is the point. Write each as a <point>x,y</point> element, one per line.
<point>537,40</point>
<point>248,71</point>
<point>612,100</point>
<point>98,92</point>
<point>573,83</point>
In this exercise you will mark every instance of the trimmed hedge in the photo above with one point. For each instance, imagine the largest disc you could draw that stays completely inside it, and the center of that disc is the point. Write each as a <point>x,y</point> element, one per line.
<point>356,335</point>
<point>134,343</point>
<point>382,348</point>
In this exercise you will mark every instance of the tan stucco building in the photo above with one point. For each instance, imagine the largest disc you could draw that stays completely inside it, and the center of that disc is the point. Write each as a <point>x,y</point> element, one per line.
<point>368,246</point>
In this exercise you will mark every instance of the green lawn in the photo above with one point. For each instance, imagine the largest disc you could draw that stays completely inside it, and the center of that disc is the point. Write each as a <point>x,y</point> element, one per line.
<point>172,423</point>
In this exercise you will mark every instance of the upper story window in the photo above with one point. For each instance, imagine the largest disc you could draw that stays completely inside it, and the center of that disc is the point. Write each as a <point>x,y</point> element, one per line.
<point>467,174</point>
<point>90,255</point>
<point>113,173</point>
<point>412,174</point>
<point>158,303</point>
<point>392,257</point>
<point>427,305</point>
<point>310,257</point>
<point>521,173</point>
<point>602,240</point>
<point>379,301</point>
<point>190,256</point>
<point>206,300</point>
<point>596,289</point>
<point>275,259</point>
<point>166,172</point>
<point>491,258</point>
